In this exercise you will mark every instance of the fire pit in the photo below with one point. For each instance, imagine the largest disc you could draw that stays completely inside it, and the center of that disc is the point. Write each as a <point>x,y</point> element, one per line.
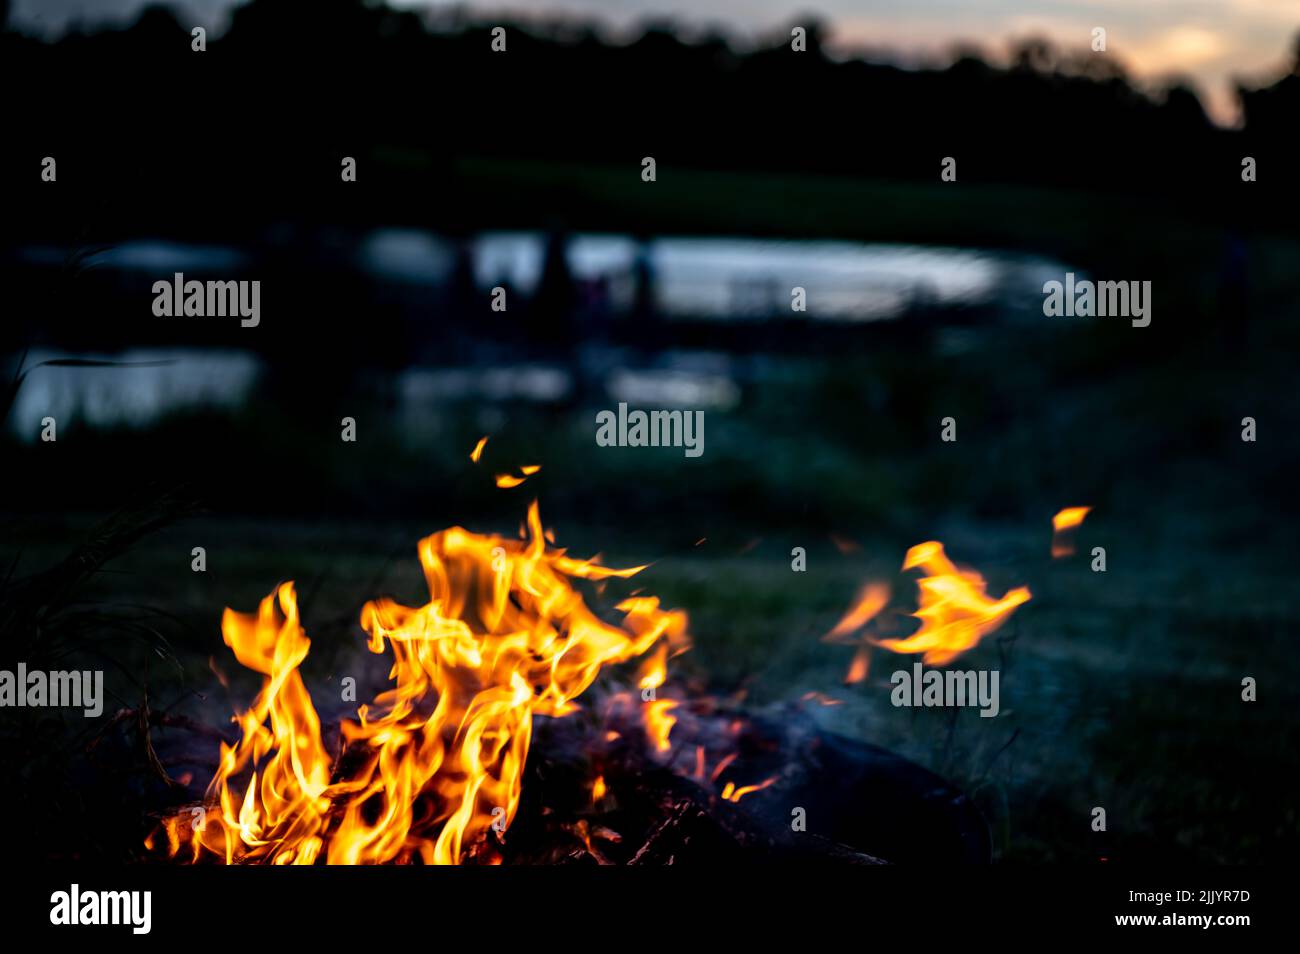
<point>479,752</point>
<point>831,799</point>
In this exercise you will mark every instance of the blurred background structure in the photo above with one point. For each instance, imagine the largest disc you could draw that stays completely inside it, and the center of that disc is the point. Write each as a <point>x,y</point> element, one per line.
<point>774,169</point>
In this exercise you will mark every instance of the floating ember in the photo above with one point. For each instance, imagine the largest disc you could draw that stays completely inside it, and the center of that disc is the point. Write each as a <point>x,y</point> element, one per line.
<point>1063,525</point>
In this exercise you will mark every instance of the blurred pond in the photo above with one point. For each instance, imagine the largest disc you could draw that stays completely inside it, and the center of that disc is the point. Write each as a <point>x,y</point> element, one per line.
<point>719,278</point>
<point>723,278</point>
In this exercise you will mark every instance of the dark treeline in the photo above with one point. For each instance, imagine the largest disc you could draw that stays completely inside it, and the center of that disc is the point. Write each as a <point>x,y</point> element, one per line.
<point>136,109</point>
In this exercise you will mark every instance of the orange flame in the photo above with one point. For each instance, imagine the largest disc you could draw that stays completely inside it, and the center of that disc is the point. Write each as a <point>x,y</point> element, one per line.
<point>1067,519</point>
<point>659,722</point>
<point>436,763</point>
<point>821,699</point>
<point>654,670</point>
<point>477,452</point>
<point>733,794</point>
<point>870,601</point>
<point>507,481</point>
<point>722,766</point>
<point>860,666</point>
<point>955,611</point>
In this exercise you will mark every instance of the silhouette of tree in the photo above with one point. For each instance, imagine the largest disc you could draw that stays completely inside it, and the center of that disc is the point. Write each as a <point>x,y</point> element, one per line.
<point>418,96</point>
<point>1035,53</point>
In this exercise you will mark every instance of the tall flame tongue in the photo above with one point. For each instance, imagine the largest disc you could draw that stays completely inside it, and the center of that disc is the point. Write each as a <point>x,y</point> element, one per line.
<point>438,759</point>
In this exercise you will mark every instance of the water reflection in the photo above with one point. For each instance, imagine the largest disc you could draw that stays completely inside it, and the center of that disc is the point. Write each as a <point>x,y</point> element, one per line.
<point>721,282</point>
<point>163,380</point>
<point>717,278</point>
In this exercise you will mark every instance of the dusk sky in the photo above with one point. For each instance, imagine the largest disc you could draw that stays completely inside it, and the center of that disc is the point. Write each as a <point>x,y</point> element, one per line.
<point>1209,41</point>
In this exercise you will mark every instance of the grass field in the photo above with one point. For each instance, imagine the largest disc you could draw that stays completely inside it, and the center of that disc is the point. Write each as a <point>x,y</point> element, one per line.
<point>1121,690</point>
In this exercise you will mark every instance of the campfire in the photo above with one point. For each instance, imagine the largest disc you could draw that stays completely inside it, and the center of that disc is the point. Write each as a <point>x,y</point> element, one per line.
<point>433,770</point>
